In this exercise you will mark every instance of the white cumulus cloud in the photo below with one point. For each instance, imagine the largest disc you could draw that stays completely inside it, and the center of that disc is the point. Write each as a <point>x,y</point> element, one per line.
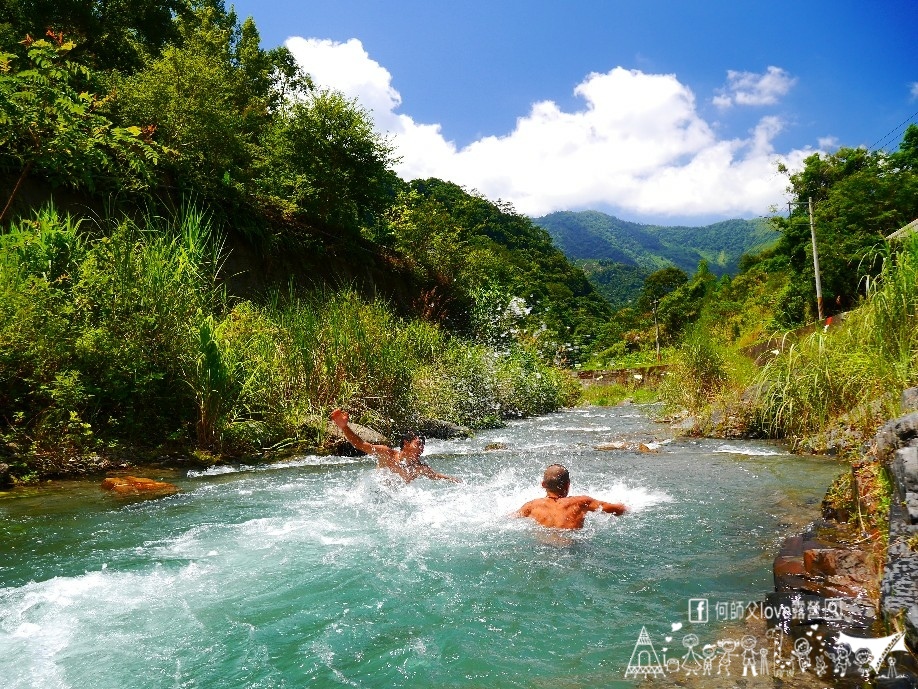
<point>750,88</point>
<point>637,144</point>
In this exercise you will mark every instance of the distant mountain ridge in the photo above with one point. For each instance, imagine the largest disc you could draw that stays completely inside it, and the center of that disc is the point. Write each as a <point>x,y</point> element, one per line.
<point>595,235</point>
<point>610,249</point>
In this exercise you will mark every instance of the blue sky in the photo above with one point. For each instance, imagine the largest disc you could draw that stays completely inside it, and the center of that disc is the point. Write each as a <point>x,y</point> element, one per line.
<point>655,111</point>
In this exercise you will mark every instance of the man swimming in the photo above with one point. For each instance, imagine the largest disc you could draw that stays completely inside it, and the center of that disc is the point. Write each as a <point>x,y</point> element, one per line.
<point>557,510</point>
<point>406,461</point>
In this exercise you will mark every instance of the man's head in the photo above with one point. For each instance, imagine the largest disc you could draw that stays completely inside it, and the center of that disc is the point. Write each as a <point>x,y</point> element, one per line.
<point>556,480</point>
<point>412,444</point>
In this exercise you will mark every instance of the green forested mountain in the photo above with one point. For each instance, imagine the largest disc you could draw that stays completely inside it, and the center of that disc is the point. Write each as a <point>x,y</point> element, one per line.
<point>619,283</point>
<point>595,235</point>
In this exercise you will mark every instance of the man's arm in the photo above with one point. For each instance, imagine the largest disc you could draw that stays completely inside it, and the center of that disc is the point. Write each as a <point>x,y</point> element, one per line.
<point>427,470</point>
<point>615,508</point>
<point>523,511</point>
<point>341,419</point>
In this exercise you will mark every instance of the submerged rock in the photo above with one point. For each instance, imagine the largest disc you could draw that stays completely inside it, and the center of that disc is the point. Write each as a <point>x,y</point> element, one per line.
<point>133,485</point>
<point>614,445</point>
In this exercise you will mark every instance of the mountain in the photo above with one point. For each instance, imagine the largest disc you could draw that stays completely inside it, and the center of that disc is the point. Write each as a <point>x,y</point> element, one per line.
<point>594,235</point>
<point>617,255</point>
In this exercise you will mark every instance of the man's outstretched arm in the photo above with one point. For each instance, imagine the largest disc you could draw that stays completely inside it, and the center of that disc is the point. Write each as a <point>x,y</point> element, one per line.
<point>341,420</point>
<point>425,470</point>
<point>615,508</point>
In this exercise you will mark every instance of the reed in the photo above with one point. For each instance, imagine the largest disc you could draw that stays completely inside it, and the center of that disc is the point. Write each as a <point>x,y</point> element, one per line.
<point>852,370</point>
<point>699,372</point>
<point>124,334</point>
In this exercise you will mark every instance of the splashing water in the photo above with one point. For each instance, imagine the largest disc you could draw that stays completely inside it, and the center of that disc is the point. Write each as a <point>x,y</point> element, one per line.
<point>322,572</point>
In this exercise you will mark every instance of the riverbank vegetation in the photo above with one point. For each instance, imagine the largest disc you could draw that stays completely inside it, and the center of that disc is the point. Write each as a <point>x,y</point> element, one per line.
<point>119,332</point>
<point>202,253</point>
<point>828,385</point>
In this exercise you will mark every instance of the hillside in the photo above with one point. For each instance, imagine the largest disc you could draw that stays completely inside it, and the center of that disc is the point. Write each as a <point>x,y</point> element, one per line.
<point>595,235</point>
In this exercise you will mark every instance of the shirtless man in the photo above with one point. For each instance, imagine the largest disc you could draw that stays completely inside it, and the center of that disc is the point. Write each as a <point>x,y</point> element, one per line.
<point>406,461</point>
<point>557,510</point>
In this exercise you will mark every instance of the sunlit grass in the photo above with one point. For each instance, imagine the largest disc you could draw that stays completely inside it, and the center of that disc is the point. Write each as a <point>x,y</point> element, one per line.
<point>613,394</point>
<point>867,360</point>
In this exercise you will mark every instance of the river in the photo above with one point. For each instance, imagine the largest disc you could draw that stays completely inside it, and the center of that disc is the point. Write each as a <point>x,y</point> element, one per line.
<point>321,572</point>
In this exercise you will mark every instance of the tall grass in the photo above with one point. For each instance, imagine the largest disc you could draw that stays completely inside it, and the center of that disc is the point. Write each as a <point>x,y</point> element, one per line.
<point>704,370</point>
<point>98,327</point>
<point>301,357</point>
<point>123,334</point>
<point>855,369</point>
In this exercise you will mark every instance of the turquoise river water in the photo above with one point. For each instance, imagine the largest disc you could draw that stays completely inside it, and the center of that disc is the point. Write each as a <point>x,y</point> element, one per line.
<point>321,572</point>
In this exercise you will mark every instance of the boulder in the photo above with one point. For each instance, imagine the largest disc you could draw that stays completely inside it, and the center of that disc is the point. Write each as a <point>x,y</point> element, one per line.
<point>339,445</point>
<point>5,479</point>
<point>443,430</point>
<point>490,447</point>
<point>786,566</point>
<point>830,562</point>
<point>895,434</point>
<point>133,485</point>
<point>909,400</point>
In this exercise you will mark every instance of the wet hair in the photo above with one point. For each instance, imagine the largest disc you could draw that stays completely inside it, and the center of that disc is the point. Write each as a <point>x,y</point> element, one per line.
<point>556,479</point>
<point>408,437</point>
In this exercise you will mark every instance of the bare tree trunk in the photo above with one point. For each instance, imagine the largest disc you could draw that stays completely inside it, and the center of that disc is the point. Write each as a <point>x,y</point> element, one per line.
<point>9,202</point>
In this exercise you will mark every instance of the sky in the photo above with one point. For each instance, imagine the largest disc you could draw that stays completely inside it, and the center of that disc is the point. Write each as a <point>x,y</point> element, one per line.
<point>656,111</point>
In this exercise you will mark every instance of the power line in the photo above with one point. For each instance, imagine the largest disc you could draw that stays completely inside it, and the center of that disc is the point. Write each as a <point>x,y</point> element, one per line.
<point>883,140</point>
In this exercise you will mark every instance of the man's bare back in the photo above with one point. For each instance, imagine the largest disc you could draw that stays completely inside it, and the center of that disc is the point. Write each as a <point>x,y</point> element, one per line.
<point>557,510</point>
<point>566,513</point>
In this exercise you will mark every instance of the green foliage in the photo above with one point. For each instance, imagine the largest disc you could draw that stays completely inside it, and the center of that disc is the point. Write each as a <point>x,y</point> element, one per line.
<point>658,285</point>
<point>699,374</point>
<point>619,283</point>
<point>112,33</point>
<point>210,98</point>
<point>610,395</point>
<point>492,253</point>
<point>683,306</point>
<point>859,197</point>
<point>98,330</point>
<point>875,350</point>
<point>742,310</point>
<point>49,124</point>
<point>595,235</point>
<point>213,385</point>
<point>324,161</point>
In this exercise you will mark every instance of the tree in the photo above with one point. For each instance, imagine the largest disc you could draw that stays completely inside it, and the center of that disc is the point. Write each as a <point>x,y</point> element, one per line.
<point>325,162</point>
<point>658,285</point>
<point>50,127</point>
<point>683,306</point>
<point>111,34</point>
<point>211,98</point>
<point>859,197</point>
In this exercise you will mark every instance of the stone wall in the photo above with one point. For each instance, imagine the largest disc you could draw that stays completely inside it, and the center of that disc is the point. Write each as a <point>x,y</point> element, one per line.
<point>897,443</point>
<point>830,568</point>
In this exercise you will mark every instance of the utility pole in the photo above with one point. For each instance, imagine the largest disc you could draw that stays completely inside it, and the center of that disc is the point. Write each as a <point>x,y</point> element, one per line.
<point>656,327</point>
<point>815,252</point>
<point>816,262</point>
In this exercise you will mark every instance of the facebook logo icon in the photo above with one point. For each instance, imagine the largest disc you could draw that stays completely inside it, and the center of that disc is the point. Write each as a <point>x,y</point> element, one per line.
<point>698,610</point>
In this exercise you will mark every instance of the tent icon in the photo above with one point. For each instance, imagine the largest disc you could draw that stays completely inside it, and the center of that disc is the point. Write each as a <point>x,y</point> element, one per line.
<point>644,661</point>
